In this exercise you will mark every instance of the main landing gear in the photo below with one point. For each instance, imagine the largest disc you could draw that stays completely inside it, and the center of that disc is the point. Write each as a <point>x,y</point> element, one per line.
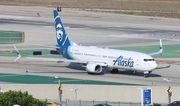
<point>114,71</point>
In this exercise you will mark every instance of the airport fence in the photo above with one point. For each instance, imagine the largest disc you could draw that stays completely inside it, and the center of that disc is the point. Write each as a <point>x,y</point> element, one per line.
<point>68,102</point>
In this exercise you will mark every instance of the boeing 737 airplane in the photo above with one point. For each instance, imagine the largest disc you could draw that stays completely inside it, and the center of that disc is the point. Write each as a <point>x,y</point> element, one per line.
<point>95,59</point>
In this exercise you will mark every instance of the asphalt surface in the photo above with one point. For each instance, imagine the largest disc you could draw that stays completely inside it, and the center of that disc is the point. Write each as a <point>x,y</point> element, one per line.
<point>88,28</point>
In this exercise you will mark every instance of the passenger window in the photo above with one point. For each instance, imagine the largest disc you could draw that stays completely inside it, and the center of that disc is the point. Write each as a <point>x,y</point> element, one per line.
<point>145,60</point>
<point>148,60</point>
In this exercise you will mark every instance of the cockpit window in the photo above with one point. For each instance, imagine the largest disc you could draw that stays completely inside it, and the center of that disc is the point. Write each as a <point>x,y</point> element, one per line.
<point>148,60</point>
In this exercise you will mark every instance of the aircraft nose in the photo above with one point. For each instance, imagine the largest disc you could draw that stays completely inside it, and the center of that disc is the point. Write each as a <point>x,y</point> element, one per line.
<point>154,65</point>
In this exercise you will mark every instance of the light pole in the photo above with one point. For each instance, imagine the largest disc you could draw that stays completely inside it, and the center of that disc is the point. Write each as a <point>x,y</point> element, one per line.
<point>75,89</point>
<point>1,89</point>
<point>168,90</point>
<point>60,89</point>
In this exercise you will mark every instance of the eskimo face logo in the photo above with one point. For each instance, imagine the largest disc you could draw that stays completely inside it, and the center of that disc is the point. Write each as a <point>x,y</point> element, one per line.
<point>59,32</point>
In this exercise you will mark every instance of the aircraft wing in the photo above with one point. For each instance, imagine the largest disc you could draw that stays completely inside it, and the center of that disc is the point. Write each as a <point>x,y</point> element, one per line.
<point>56,59</point>
<point>68,61</point>
<point>160,49</point>
<point>59,60</point>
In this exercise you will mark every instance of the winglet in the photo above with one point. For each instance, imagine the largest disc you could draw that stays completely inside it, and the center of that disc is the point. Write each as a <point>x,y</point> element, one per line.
<point>17,52</point>
<point>160,47</point>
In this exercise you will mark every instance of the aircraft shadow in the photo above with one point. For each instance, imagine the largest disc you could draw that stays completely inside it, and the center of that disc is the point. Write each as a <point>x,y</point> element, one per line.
<point>70,66</point>
<point>76,66</point>
<point>123,72</point>
<point>59,72</point>
<point>130,72</point>
<point>79,67</point>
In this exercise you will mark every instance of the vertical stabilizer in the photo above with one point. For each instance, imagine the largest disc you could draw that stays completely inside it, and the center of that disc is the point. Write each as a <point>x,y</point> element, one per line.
<point>61,35</point>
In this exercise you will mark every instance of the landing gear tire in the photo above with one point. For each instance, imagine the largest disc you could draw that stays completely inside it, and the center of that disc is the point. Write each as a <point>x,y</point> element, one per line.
<point>114,71</point>
<point>145,75</point>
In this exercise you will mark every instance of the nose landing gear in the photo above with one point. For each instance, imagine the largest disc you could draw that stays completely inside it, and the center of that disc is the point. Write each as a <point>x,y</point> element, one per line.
<point>146,74</point>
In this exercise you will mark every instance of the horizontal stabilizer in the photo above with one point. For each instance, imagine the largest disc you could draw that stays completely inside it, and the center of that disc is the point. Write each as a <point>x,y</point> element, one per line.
<point>17,52</point>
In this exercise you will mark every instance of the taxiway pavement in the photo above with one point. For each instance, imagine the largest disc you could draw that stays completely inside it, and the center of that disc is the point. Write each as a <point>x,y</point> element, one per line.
<point>88,28</point>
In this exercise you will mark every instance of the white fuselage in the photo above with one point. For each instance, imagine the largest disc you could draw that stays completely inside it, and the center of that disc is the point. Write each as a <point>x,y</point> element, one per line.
<point>116,59</point>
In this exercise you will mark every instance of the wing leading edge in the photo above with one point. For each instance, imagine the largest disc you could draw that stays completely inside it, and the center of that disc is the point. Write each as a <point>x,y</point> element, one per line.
<point>69,61</point>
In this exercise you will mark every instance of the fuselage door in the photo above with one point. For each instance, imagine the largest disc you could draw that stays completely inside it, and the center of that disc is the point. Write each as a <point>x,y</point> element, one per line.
<point>137,62</point>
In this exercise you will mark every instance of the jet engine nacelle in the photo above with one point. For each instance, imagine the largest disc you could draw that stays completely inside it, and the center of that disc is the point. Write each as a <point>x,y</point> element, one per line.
<point>93,68</point>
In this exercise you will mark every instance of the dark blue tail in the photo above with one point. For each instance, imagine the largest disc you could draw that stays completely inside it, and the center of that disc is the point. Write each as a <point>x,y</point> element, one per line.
<point>61,35</point>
